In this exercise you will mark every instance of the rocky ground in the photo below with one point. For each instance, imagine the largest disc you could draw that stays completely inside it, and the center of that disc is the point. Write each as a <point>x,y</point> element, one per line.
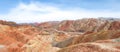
<point>84,35</point>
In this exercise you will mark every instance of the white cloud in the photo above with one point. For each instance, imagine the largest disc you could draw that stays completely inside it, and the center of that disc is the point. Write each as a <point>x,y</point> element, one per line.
<point>39,12</point>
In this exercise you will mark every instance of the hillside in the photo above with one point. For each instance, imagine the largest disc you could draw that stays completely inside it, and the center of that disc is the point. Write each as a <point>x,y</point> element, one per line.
<point>83,35</point>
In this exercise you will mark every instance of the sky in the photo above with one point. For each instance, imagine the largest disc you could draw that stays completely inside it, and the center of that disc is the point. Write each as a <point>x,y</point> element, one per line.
<point>28,11</point>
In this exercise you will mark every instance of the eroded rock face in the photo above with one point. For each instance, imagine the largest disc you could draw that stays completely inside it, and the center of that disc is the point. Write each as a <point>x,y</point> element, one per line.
<point>84,35</point>
<point>115,25</point>
<point>100,46</point>
<point>83,25</point>
<point>66,25</point>
<point>47,25</point>
<point>14,37</point>
<point>91,37</point>
<point>40,43</point>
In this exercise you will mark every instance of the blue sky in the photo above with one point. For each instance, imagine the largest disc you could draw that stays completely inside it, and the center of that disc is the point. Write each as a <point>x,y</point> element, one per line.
<point>49,10</point>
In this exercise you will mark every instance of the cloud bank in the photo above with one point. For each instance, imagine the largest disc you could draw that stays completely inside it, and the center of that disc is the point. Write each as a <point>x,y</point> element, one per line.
<point>41,12</point>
